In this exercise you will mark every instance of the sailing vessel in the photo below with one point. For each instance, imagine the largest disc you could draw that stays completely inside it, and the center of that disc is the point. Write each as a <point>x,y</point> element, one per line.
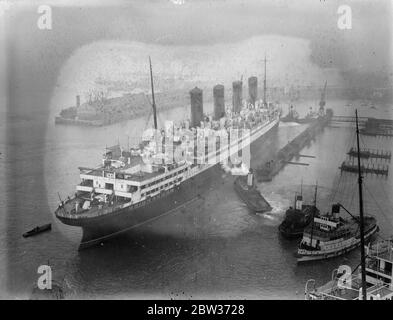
<point>331,235</point>
<point>375,279</point>
<point>298,217</point>
<point>169,169</point>
<point>37,230</point>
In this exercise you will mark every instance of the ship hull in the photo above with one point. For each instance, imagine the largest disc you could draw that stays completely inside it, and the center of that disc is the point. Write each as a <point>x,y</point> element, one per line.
<point>100,228</point>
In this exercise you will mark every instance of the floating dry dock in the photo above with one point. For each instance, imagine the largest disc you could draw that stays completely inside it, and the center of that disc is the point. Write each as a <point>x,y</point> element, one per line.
<point>267,171</point>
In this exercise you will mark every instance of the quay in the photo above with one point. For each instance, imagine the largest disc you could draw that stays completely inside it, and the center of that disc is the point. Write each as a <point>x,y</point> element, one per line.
<point>369,126</point>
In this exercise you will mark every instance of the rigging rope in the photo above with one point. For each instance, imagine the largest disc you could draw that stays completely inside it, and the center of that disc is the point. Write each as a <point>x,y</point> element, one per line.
<point>380,209</point>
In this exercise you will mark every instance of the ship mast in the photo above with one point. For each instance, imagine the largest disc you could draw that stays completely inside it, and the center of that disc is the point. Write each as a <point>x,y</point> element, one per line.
<point>301,187</point>
<point>323,97</point>
<point>362,242</point>
<point>152,96</point>
<point>264,83</point>
<point>313,213</point>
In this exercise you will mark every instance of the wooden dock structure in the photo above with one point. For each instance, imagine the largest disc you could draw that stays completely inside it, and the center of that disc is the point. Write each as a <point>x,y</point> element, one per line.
<point>370,153</point>
<point>266,171</point>
<point>362,120</point>
<point>378,169</point>
<point>376,133</point>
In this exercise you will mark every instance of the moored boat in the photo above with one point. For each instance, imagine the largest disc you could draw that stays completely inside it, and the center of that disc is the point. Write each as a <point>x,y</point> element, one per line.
<point>292,115</point>
<point>298,217</point>
<point>247,191</point>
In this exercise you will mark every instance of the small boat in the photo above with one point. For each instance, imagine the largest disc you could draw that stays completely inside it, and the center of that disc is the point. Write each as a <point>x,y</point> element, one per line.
<point>292,115</point>
<point>298,218</point>
<point>247,191</point>
<point>37,230</point>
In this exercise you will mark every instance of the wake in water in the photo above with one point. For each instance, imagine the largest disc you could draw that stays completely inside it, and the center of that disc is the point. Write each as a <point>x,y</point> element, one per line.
<point>278,209</point>
<point>289,124</point>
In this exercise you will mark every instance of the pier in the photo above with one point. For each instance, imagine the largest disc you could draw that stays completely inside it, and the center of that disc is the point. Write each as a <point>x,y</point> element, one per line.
<point>369,126</point>
<point>362,120</point>
<point>267,171</point>
<point>378,169</point>
<point>370,153</point>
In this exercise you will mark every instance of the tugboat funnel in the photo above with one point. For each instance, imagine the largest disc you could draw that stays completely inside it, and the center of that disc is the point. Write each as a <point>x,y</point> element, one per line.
<point>299,202</point>
<point>250,179</point>
<point>335,210</point>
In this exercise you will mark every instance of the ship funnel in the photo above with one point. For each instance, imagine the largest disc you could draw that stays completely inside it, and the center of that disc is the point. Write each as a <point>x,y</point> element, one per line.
<point>253,89</point>
<point>335,210</point>
<point>219,101</point>
<point>298,202</point>
<point>250,179</point>
<point>237,95</point>
<point>196,107</point>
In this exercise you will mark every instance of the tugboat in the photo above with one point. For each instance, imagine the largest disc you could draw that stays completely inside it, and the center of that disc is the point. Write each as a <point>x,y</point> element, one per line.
<point>378,278</point>
<point>298,218</point>
<point>247,191</point>
<point>312,115</point>
<point>330,235</point>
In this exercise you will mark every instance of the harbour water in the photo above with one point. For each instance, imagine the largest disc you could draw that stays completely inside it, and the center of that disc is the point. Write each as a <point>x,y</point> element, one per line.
<point>214,248</point>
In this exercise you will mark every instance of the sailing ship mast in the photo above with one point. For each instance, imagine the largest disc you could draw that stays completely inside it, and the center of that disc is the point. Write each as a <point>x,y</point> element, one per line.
<point>362,242</point>
<point>152,96</point>
<point>264,84</point>
<point>323,97</point>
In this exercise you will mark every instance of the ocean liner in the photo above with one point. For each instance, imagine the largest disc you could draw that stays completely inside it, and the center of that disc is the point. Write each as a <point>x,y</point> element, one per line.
<point>170,168</point>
